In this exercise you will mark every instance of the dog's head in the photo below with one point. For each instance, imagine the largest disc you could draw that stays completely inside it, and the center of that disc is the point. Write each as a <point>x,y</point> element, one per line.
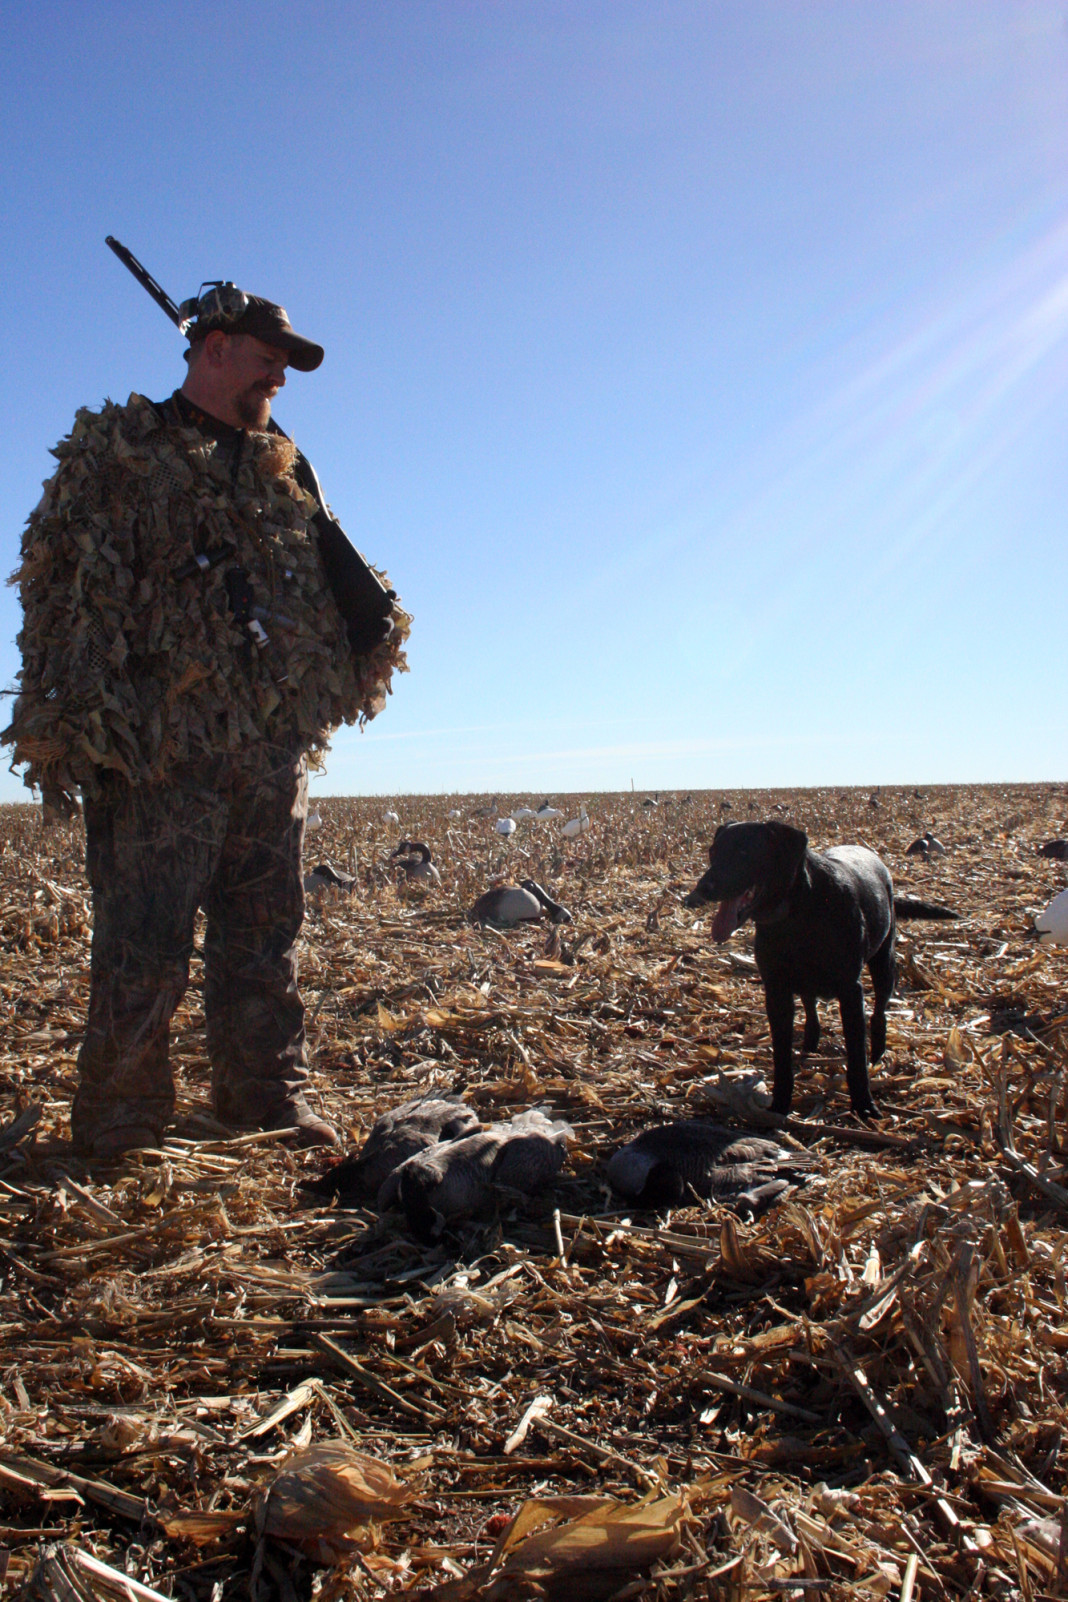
<point>751,869</point>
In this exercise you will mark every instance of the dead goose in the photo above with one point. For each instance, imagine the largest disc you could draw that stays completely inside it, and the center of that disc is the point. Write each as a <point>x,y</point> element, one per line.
<point>662,1165</point>
<point>510,904</point>
<point>395,1136</point>
<point>327,877</point>
<point>455,1180</point>
<point>414,862</point>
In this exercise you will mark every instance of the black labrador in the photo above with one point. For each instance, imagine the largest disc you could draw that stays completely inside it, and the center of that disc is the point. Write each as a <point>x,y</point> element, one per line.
<point>819,918</point>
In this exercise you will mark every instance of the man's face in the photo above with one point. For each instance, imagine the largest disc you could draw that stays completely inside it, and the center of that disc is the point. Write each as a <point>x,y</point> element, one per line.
<point>252,373</point>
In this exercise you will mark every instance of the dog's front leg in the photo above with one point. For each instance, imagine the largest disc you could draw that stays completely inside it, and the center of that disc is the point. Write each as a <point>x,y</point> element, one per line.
<point>780,1009</point>
<point>811,1038</point>
<point>851,1007</point>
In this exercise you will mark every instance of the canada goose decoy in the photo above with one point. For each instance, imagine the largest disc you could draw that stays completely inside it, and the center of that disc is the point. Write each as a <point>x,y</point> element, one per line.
<point>510,904</point>
<point>1057,849</point>
<point>395,1136</point>
<point>661,1165</point>
<point>455,1180</point>
<point>928,845</point>
<point>652,800</point>
<point>545,813</point>
<point>505,826</point>
<point>412,857</point>
<point>1052,924</point>
<point>576,826</point>
<point>327,877</point>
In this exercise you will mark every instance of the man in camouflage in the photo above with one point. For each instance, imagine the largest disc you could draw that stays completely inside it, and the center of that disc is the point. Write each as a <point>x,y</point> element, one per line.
<point>183,652</point>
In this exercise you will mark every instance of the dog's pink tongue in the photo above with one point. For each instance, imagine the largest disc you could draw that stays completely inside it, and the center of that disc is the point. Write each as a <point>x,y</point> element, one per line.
<point>726,920</point>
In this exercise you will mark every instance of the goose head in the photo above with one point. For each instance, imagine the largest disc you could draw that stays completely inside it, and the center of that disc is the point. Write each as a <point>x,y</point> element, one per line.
<point>554,910</point>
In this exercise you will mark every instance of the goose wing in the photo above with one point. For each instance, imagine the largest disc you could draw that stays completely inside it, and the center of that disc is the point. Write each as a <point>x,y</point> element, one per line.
<point>395,1136</point>
<point>531,1153</point>
<point>447,1182</point>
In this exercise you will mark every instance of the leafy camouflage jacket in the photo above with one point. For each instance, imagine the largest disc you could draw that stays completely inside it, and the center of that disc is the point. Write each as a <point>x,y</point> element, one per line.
<point>134,659</point>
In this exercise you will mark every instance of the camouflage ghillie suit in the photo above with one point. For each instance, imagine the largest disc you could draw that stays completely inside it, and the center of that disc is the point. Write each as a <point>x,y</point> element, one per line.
<point>188,741</point>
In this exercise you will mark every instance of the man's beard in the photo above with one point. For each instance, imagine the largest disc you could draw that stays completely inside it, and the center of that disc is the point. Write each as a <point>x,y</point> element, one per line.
<point>253,407</point>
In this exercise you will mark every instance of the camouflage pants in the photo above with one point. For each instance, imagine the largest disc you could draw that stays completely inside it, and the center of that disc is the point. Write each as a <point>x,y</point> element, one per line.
<point>228,839</point>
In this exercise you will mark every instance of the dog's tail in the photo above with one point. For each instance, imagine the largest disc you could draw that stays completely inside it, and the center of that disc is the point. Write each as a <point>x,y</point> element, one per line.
<point>906,907</point>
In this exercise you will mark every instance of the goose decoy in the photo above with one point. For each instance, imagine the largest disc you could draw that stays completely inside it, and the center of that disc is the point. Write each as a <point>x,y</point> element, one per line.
<point>510,904</point>
<point>1052,924</point>
<point>412,858</point>
<point>545,813</point>
<point>576,826</point>
<point>395,1136</point>
<point>313,820</point>
<point>1057,849</point>
<point>652,800</point>
<point>521,814</point>
<point>659,1167</point>
<point>928,845</point>
<point>327,877</point>
<point>389,816</point>
<point>455,1180</point>
<point>505,826</point>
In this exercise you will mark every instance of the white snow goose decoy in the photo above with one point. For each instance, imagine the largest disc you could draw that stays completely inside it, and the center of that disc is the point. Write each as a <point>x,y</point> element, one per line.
<point>510,904</point>
<point>576,826</point>
<point>1052,924</point>
<point>545,813</point>
<point>313,820</point>
<point>412,857</point>
<point>505,826</point>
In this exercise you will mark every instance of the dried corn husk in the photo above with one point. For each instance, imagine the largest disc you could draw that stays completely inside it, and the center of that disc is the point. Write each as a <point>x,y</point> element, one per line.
<point>326,1495</point>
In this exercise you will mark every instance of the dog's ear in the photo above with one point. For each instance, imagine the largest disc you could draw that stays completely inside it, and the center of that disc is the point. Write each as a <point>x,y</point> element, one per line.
<point>724,828</point>
<point>787,852</point>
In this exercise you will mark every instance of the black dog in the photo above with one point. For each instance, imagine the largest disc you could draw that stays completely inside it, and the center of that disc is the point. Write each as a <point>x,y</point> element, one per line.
<point>819,919</point>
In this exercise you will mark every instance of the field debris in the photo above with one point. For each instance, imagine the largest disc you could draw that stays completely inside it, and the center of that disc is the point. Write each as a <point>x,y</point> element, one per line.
<point>217,1383</point>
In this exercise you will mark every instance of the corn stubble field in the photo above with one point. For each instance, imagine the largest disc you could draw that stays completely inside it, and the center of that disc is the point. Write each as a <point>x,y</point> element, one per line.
<point>860,1393</point>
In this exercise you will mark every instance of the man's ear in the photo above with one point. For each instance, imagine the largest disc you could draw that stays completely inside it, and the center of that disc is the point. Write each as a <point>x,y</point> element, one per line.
<point>787,852</point>
<point>215,347</point>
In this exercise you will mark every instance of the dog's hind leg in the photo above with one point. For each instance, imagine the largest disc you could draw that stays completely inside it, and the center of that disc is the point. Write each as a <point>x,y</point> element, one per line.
<point>780,1009</point>
<point>883,970</point>
<point>851,1007</point>
<point>811,1038</point>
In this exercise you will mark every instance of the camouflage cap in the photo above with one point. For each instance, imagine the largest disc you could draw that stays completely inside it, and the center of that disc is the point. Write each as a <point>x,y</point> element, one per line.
<point>263,320</point>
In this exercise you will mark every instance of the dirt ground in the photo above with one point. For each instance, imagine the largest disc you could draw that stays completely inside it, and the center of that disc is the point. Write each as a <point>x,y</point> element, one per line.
<point>862,1392</point>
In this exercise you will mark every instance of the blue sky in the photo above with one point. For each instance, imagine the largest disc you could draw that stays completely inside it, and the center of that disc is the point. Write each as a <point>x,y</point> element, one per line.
<point>698,371</point>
